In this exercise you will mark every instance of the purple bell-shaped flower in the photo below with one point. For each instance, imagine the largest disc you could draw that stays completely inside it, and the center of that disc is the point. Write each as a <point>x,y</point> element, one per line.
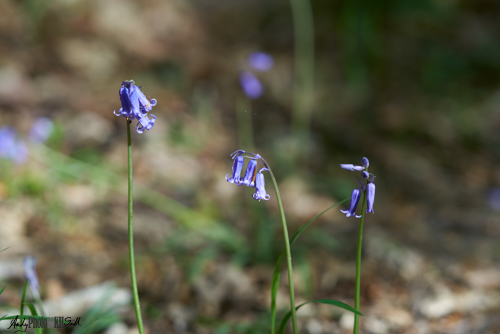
<point>356,195</point>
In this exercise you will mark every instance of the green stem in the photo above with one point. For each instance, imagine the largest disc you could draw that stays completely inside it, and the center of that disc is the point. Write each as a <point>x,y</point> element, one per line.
<point>288,252</point>
<point>137,306</point>
<point>303,82</point>
<point>358,263</point>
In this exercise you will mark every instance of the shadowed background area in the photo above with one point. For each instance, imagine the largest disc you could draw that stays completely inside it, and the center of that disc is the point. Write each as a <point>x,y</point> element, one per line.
<point>412,85</point>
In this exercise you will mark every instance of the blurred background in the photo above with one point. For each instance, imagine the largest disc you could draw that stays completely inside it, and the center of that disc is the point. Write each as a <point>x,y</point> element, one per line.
<point>412,85</point>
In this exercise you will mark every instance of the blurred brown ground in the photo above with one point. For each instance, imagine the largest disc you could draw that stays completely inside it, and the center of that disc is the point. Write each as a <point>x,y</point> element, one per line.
<point>412,85</point>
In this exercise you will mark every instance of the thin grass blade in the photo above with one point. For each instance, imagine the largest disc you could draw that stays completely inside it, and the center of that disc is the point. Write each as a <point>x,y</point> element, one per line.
<point>321,301</point>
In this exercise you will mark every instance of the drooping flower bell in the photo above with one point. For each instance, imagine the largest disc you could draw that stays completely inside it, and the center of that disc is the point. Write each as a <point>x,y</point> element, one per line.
<point>135,105</point>
<point>260,189</point>
<point>249,178</point>
<point>237,167</point>
<point>370,196</point>
<point>355,196</point>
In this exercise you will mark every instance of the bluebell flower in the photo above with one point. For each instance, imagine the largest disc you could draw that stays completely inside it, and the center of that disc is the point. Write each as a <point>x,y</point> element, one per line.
<point>237,167</point>
<point>29,264</point>
<point>352,168</point>
<point>260,61</point>
<point>251,85</point>
<point>135,105</point>
<point>369,188</point>
<point>41,130</point>
<point>249,178</point>
<point>260,190</point>
<point>252,178</point>
<point>370,196</point>
<point>355,196</point>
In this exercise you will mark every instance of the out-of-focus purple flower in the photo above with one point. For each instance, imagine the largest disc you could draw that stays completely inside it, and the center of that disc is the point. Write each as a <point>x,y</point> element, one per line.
<point>135,105</point>
<point>249,178</point>
<point>260,189</point>
<point>11,147</point>
<point>251,85</point>
<point>7,141</point>
<point>29,264</point>
<point>494,198</point>
<point>352,168</point>
<point>237,166</point>
<point>260,61</point>
<point>370,196</point>
<point>41,130</point>
<point>355,196</point>
<point>365,162</point>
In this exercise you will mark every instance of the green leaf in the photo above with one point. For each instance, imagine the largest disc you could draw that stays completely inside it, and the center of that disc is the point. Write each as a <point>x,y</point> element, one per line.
<point>35,314</point>
<point>276,275</point>
<point>322,301</point>
<point>4,249</point>
<point>23,297</point>
<point>2,289</point>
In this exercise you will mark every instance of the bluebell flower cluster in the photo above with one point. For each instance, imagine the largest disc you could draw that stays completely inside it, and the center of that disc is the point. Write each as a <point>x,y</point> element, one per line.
<point>369,188</point>
<point>259,61</point>
<point>135,105</point>
<point>252,178</point>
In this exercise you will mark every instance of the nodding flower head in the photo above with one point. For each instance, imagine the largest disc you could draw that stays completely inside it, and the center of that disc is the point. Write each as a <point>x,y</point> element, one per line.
<point>237,166</point>
<point>370,196</point>
<point>260,189</point>
<point>135,105</point>
<point>29,264</point>
<point>251,178</point>
<point>352,168</point>
<point>356,194</point>
<point>369,188</point>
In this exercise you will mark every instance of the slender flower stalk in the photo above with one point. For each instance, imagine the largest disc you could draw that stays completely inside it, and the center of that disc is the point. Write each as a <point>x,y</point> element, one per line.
<point>135,105</point>
<point>288,252</point>
<point>358,264</point>
<point>255,179</point>
<point>135,292</point>
<point>368,192</point>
